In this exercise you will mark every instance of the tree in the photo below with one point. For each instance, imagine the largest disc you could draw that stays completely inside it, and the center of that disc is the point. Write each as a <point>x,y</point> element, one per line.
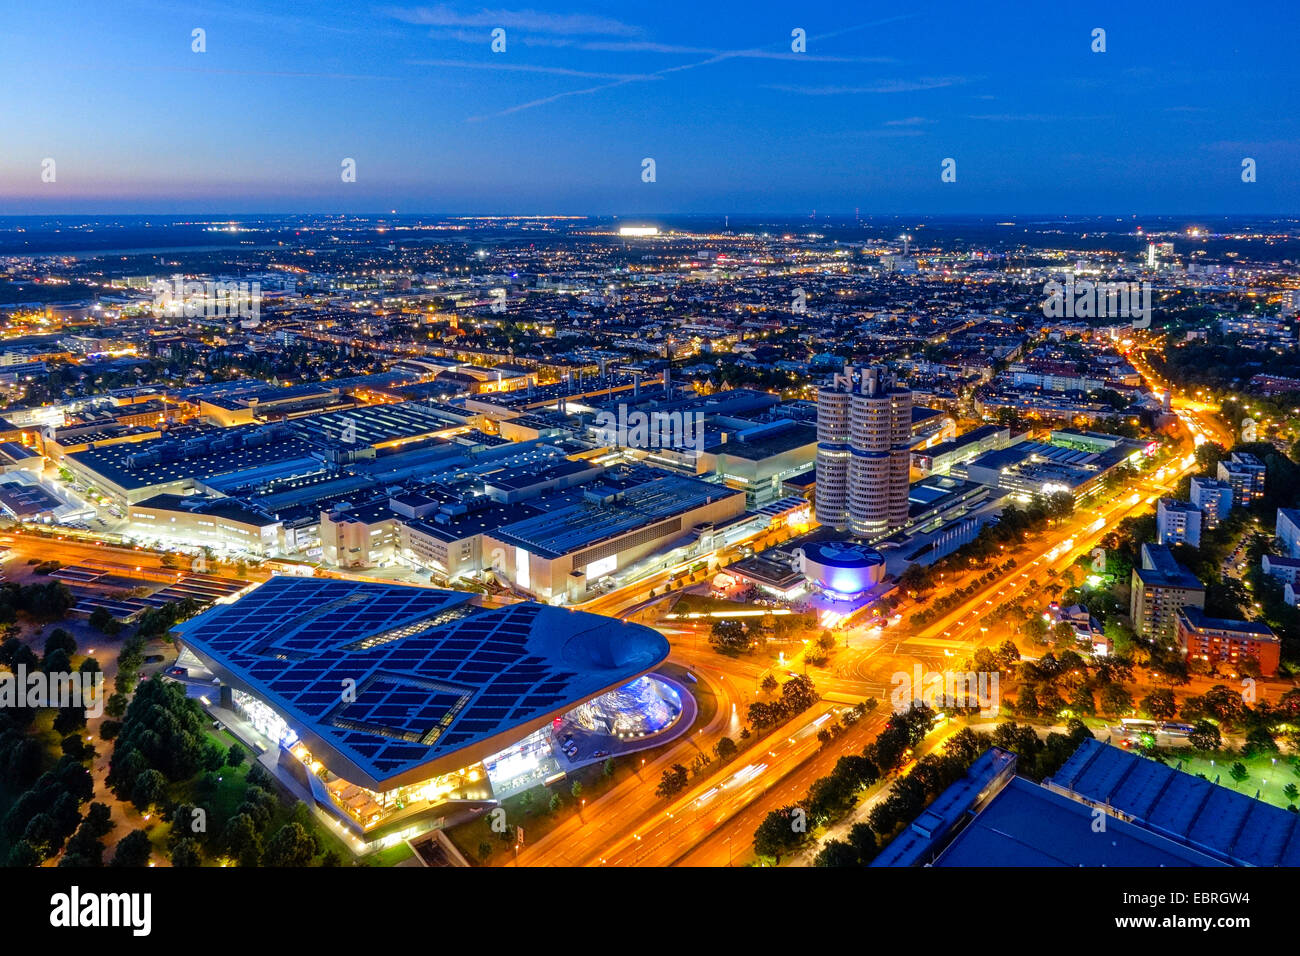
<point>1259,741</point>
<point>797,695</point>
<point>185,852</point>
<point>1081,701</point>
<point>235,755</point>
<point>148,791</point>
<point>43,834</point>
<point>1026,704</point>
<point>240,835</point>
<point>575,790</point>
<point>291,845</point>
<point>1205,736</point>
<point>836,853</point>
<point>769,684</point>
<point>1007,653</point>
<point>725,749</point>
<point>57,661</point>
<point>778,834</point>
<point>728,637</point>
<point>83,850</point>
<point>673,781</point>
<point>556,803</point>
<point>104,622</point>
<point>98,820</point>
<point>211,757</point>
<point>864,842</point>
<point>1238,772</point>
<point>1036,629</point>
<point>59,639</point>
<point>607,768</point>
<point>23,854</point>
<point>1115,700</point>
<point>1160,704</point>
<point>133,850</point>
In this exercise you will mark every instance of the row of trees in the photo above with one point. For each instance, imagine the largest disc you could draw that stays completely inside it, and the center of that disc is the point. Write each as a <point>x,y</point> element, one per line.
<point>934,773</point>
<point>785,830</point>
<point>950,599</point>
<point>797,695</point>
<point>1065,684</point>
<point>42,601</point>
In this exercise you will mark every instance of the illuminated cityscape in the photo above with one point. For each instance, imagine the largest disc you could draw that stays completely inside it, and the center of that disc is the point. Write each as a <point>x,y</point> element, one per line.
<point>604,482</point>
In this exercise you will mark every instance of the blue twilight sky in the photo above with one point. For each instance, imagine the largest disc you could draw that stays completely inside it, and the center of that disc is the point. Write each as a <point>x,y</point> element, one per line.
<point>735,121</point>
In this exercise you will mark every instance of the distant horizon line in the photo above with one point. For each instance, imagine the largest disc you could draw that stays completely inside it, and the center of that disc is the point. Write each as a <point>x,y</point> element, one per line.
<point>850,215</point>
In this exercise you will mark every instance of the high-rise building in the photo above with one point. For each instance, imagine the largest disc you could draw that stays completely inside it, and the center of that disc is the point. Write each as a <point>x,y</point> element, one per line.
<point>1161,587</point>
<point>1213,497</point>
<point>1288,530</point>
<point>1178,522</point>
<point>1246,474</point>
<point>864,423</point>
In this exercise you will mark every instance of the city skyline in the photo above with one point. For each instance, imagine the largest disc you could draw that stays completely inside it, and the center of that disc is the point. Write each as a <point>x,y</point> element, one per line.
<point>565,436</point>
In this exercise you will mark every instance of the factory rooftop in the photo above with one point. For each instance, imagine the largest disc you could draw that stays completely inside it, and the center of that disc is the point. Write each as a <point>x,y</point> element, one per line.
<point>160,461</point>
<point>607,512</point>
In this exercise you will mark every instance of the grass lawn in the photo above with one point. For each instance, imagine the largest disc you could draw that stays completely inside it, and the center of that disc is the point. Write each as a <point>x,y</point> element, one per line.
<point>703,604</point>
<point>1265,777</point>
<point>389,856</point>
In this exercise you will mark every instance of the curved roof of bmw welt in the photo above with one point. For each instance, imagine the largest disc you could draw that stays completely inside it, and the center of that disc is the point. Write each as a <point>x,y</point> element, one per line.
<point>390,684</point>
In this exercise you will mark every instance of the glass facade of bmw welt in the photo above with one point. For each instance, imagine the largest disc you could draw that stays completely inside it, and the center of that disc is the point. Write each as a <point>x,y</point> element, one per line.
<point>643,708</point>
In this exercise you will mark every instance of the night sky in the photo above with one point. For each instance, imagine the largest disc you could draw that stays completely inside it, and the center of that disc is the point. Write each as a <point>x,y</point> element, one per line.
<point>735,121</point>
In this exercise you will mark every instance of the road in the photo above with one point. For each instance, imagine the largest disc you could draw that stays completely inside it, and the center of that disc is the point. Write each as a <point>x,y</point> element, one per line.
<point>661,838</point>
<point>615,812</point>
<point>732,844</point>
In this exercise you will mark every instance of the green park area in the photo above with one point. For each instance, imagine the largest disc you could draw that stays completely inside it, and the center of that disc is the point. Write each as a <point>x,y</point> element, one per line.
<point>1266,775</point>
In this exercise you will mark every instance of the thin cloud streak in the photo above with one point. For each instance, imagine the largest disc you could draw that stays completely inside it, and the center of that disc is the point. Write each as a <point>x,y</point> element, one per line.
<point>883,86</point>
<point>716,58</point>
<point>580,24</point>
<point>533,68</point>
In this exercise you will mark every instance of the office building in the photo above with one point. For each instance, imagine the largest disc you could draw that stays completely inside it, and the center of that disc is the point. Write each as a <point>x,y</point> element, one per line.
<point>864,423</point>
<point>1283,567</point>
<point>556,555</point>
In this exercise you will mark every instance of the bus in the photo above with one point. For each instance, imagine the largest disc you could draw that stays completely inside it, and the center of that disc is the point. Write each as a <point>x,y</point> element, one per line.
<point>1133,726</point>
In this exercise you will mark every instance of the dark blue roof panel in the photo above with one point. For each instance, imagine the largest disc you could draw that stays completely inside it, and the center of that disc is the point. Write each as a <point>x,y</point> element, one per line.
<point>427,672</point>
